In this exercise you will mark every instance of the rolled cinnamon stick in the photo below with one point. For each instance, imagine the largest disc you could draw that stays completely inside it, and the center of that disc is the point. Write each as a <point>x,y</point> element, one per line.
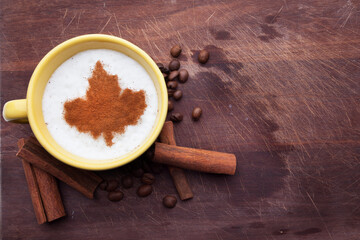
<point>83,181</point>
<point>34,192</point>
<point>195,159</point>
<point>177,174</point>
<point>44,192</point>
<point>50,195</point>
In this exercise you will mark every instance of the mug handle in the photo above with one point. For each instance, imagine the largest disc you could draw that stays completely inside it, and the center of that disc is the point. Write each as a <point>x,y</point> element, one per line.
<point>15,111</point>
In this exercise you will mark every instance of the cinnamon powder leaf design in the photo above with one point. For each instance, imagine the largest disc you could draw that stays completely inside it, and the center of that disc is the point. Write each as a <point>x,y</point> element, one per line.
<point>105,110</point>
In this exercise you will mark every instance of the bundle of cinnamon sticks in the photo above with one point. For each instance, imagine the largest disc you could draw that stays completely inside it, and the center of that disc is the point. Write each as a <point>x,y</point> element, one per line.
<point>42,170</point>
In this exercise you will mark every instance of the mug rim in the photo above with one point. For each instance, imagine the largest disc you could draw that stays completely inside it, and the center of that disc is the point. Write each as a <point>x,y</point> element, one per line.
<point>118,161</point>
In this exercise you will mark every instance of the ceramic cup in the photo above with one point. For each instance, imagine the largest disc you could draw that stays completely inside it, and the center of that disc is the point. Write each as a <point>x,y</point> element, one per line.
<point>30,109</point>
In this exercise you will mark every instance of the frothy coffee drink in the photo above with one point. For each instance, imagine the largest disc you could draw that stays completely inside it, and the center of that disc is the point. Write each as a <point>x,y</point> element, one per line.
<point>100,104</point>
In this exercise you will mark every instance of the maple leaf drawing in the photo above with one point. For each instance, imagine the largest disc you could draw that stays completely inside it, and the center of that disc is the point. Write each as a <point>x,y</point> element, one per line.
<point>106,109</point>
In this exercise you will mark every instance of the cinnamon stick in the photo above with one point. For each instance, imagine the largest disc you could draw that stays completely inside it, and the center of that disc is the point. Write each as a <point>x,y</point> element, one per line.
<point>83,181</point>
<point>177,174</point>
<point>48,204</point>
<point>34,192</point>
<point>195,159</point>
<point>50,195</point>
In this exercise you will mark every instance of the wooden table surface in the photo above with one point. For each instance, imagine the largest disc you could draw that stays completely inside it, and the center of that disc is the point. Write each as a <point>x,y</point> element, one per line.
<point>281,91</point>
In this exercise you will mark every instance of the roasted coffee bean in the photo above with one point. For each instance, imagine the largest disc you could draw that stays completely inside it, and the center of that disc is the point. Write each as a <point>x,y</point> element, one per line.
<point>138,172</point>
<point>174,65</point>
<point>160,66</point>
<point>144,190</point>
<point>183,75</point>
<point>165,76</point>
<point>103,185</point>
<point>146,166</point>
<point>173,75</point>
<point>148,178</point>
<point>112,185</point>
<point>156,167</point>
<point>175,51</point>
<point>203,56</point>
<point>115,196</point>
<point>196,113</point>
<point>165,70</point>
<point>149,154</point>
<point>172,84</point>
<point>171,92</point>
<point>177,95</point>
<point>176,117</point>
<point>127,181</point>
<point>170,106</point>
<point>169,201</point>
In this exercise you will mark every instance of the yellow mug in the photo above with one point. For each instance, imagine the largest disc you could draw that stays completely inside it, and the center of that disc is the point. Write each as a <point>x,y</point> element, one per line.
<point>30,109</point>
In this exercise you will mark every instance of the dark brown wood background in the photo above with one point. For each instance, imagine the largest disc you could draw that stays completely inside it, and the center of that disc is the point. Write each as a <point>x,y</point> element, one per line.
<point>281,91</point>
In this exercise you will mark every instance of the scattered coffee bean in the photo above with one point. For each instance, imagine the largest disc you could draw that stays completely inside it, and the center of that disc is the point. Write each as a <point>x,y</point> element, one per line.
<point>149,154</point>
<point>174,65</point>
<point>177,95</point>
<point>103,185</point>
<point>172,84</point>
<point>160,66</point>
<point>144,190</point>
<point>156,167</point>
<point>171,92</point>
<point>175,51</point>
<point>173,75</point>
<point>165,75</point>
<point>203,56</point>
<point>165,70</point>
<point>138,172</point>
<point>112,185</point>
<point>176,117</point>
<point>169,201</point>
<point>115,196</point>
<point>146,166</point>
<point>170,106</point>
<point>196,113</point>
<point>183,75</point>
<point>148,178</point>
<point>127,181</point>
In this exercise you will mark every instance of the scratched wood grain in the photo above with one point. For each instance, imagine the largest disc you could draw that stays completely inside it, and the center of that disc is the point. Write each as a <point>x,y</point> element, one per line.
<point>281,91</point>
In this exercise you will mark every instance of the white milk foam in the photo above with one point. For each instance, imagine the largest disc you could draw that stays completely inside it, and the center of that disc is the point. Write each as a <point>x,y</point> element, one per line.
<point>70,81</point>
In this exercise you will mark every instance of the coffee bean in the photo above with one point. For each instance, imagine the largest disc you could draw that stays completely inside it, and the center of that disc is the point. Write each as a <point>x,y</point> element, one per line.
<point>165,70</point>
<point>171,92</point>
<point>160,66</point>
<point>127,181</point>
<point>169,201</point>
<point>165,75</point>
<point>146,166</point>
<point>144,190</point>
<point>148,178</point>
<point>196,113</point>
<point>175,51</point>
<point>177,95</point>
<point>172,84</point>
<point>156,167</point>
<point>176,117</point>
<point>174,65</point>
<point>138,172</point>
<point>149,154</point>
<point>115,196</point>
<point>173,75</point>
<point>170,106</point>
<point>183,75</point>
<point>112,185</point>
<point>203,56</point>
<point>103,185</point>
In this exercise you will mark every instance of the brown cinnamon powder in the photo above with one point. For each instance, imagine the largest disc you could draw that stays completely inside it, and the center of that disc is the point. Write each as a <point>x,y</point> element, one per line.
<point>105,109</point>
